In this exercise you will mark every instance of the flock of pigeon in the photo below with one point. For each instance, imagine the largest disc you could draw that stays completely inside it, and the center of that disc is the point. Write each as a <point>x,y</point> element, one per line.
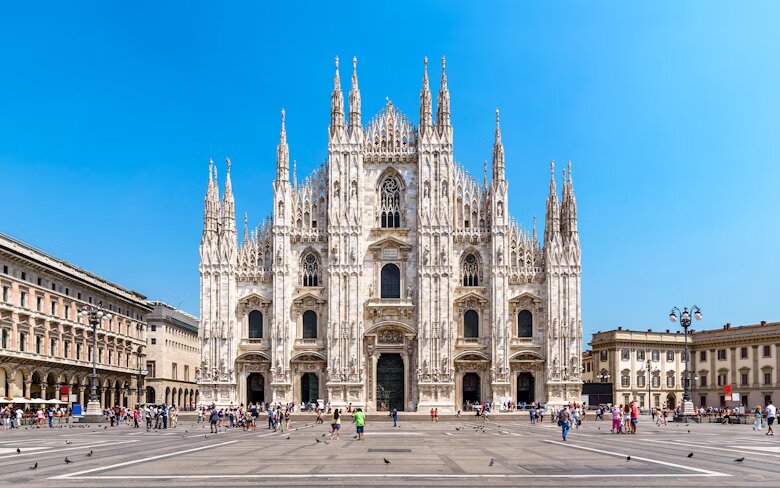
<point>478,428</point>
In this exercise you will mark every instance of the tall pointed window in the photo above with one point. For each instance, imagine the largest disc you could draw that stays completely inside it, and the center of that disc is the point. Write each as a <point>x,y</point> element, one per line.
<point>255,324</point>
<point>525,324</point>
<point>391,281</point>
<point>470,270</point>
<point>470,324</point>
<point>310,270</point>
<point>390,203</point>
<point>310,324</point>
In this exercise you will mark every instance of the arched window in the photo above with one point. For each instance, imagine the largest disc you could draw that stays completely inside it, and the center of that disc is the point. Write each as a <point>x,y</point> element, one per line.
<point>310,270</point>
<point>255,324</point>
<point>391,281</point>
<point>470,324</point>
<point>470,270</point>
<point>309,324</point>
<point>390,203</point>
<point>525,324</point>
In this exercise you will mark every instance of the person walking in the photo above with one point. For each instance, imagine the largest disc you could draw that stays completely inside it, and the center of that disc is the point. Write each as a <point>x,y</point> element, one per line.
<point>335,425</point>
<point>757,418</point>
<point>359,418</point>
<point>532,414</point>
<point>436,414</point>
<point>771,413</point>
<point>564,418</point>
<point>213,419</point>
<point>617,421</point>
<point>394,414</point>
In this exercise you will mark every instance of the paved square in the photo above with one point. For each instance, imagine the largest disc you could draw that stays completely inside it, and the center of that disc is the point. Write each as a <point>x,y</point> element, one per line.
<point>452,452</point>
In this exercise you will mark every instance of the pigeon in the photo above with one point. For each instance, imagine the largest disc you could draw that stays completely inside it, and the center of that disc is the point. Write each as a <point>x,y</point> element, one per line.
<point>34,466</point>
<point>68,442</point>
<point>739,460</point>
<point>458,428</point>
<point>354,436</point>
<point>690,454</point>
<point>387,461</point>
<point>318,441</point>
<point>326,442</point>
<point>288,437</point>
<point>67,461</point>
<point>106,427</point>
<point>491,462</point>
<point>18,450</point>
<point>628,458</point>
<point>689,431</point>
<point>323,435</point>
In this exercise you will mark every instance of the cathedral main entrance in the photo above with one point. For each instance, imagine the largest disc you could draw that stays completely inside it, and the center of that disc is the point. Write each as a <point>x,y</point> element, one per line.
<point>471,388</point>
<point>310,388</point>
<point>525,388</point>
<point>390,382</point>
<point>255,388</point>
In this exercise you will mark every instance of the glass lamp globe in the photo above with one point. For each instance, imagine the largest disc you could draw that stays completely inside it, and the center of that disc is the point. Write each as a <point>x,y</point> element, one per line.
<point>672,317</point>
<point>697,315</point>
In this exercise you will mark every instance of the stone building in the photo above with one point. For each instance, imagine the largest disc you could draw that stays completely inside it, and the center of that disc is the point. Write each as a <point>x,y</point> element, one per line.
<point>743,358</point>
<point>621,357</point>
<point>172,355</point>
<point>746,358</point>
<point>46,349</point>
<point>390,277</point>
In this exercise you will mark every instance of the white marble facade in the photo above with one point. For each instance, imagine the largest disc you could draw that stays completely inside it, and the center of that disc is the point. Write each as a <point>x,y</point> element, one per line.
<point>390,276</point>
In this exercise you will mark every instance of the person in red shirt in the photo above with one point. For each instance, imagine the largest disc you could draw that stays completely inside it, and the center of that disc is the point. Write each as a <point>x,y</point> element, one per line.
<point>634,417</point>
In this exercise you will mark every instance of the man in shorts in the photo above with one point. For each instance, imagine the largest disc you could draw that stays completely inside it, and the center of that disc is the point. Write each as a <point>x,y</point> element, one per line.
<point>634,417</point>
<point>360,421</point>
<point>771,413</point>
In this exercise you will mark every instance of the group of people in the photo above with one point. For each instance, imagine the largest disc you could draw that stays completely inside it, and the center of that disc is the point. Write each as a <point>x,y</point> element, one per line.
<point>14,418</point>
<point>765,418</point>
<point>569,416</point>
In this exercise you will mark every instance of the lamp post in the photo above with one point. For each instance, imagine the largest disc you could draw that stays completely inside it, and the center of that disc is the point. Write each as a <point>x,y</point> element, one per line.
<point>94,315</point>
<point>684,317</point>
<point>140,372</point>
<point>649,368</point>
<point>604,376</point>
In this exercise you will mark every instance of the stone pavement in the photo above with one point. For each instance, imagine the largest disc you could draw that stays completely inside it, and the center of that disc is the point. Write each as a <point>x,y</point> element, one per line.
<point>420,454</point>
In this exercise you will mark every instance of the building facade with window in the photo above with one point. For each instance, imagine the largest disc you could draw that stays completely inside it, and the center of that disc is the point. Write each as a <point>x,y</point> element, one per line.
<point>743,358</point>
<point>390,277</point>
<point>46,349</point>
<point>172,356</point>
<point>621,357</point>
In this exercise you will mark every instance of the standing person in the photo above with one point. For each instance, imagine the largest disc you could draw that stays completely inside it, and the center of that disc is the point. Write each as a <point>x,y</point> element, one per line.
<point>335,425</point>
<point>394,414</point>
<point>575,417</point>
<point>563,420</point>
<point>359,418</point>
<point>532,414</point>
<point>436,414</point>
<point>213,419</point>
<point>757,416</point>
<point>617,421</point>
<point>634,417</point>
<point>50,415</point>
<point>136,414</point>
<point>432,420</point>
<point>771,413</point>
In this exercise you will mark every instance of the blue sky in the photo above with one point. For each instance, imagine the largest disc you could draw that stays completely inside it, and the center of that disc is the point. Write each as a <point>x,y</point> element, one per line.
<point>668,111</point>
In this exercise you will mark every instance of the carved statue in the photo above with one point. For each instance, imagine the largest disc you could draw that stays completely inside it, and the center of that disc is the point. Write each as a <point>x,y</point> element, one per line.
<point>409,292</point>
<point>334,251</point>
<point>371,290</point>
<point>500,255</point>
<point>352,256</point>
<point>279,256</point>
<point>443,255</point>
<point>426,254</point>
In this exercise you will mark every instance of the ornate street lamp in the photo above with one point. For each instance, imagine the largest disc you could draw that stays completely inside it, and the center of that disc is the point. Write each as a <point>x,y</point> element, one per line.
<point>95,316</point>
<point>684,317</point>
<point>140,373</point>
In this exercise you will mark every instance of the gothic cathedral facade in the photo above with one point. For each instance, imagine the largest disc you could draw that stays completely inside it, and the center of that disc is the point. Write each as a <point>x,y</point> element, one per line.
<point>390,277</point>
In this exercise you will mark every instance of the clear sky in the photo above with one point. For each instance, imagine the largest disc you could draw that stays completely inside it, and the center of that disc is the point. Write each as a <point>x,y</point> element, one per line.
<point>109,113</point>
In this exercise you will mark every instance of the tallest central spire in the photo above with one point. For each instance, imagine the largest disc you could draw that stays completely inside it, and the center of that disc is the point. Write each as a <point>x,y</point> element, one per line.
<point>443,100</point>
<point>354,100</point>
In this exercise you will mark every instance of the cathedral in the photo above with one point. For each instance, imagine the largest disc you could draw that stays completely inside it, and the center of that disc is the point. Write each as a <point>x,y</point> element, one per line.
<point>390,276</point>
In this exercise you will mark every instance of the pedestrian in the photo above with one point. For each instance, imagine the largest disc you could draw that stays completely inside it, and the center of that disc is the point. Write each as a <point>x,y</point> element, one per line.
<point>436,414</point>
<point>432,420</point>
<point>771,413</point>
<point>213,419</point>
<point>359,418</point>
<point>532,414</point>
<point>758,417</point>
<point>335,424</point>
<point>394,414</point>
<point>50,415</point>
<point>575,417</point>
<point>563,421</point>
<point>617,421</point>
<point>634,417</point>
<point>540,413</point>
